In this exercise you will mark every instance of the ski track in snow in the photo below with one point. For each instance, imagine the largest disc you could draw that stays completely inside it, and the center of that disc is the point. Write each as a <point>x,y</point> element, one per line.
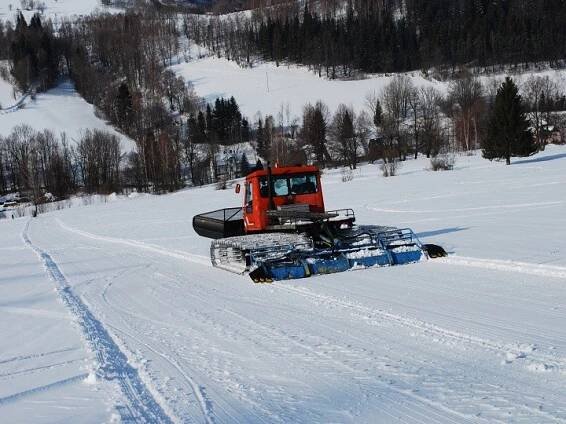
<point>507,266</point>
<point>476,208</point>
<point>112,363</point>
<point>36,355</point>
<point>204,403</point>
<point>274,337</point>
<point>198,259</point>
<point>57,384</point>
<point>372,316</point>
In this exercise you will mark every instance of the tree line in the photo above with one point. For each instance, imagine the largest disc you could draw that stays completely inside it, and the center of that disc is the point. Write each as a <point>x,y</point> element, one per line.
<point>340,38</point>
<point>404,120</point>
<point>40,162</point>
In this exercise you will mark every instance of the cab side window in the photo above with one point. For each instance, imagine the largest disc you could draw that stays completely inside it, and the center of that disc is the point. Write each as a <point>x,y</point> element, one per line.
<point>249,195</point>
<point>280,187</point>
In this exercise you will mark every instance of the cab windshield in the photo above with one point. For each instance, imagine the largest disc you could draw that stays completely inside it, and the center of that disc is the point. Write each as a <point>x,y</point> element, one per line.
<point>286,185</point>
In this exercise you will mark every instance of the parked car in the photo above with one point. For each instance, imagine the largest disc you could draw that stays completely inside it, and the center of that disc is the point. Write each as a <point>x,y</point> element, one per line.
<point>10,204</point>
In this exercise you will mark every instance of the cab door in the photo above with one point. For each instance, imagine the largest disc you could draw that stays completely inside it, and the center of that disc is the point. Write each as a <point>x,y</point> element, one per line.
<point>249,218</point>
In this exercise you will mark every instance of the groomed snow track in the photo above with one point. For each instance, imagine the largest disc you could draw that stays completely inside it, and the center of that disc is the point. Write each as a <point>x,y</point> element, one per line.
<point>112,364</point>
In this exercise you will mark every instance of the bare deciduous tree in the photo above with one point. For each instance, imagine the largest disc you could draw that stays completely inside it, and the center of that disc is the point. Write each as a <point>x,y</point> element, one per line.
<point>343,135</point>
<point>540,91</point>
<point>396,104</point>
<point>466,95</point>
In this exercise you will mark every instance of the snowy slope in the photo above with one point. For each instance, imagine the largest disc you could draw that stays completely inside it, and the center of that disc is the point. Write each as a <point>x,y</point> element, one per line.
<point>59,109</point>
<point>266,87</point>
<point>42,358</point>
<point>54,9</point>
<point>6,94</point>
<point>476,337</point>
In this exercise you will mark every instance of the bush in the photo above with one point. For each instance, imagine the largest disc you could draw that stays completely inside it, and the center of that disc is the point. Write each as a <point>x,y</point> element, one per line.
<point>390,168</point>
<point>222,183</point>
<point>443,162</point>
<point>347,175</point>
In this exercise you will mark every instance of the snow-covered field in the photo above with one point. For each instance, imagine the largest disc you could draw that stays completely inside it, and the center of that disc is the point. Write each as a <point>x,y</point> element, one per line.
<point>6,94</point>
<point>144,328</point>
<point>53,9</point>
<point>266,87</point>
<point>60,109</point>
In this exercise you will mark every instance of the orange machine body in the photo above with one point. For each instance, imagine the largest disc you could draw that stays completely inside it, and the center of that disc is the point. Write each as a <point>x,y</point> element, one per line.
<point>290,185</point>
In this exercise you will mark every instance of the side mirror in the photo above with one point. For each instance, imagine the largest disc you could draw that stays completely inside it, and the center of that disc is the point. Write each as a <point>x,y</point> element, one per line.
<point>237,190</point>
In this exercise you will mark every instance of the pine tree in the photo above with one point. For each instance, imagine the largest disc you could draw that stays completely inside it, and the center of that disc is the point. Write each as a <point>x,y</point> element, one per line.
<point>508,132</point>
<point>244,166</point>
<point>260,138</point>
<point>377,114</point>
<point>245,130</point>
<point>124,106</point>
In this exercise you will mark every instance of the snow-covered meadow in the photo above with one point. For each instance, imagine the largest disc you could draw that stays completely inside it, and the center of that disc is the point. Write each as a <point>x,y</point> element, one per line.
<point>113,311</point>
<point>52,9</point>
<point>266,88</point>
<point>60,109</point>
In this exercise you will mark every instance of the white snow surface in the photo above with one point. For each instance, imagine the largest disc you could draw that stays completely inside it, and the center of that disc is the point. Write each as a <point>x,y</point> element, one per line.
<point>54,9</point>
<point>145,328</point>
<point>60,109</point>
<point>6,94</point>
<point>265,86</point>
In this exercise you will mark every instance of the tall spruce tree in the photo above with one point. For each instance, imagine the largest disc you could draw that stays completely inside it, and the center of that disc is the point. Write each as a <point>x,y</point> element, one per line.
<point>508,132</point>
<point>244,165</point>
<point>260,139</point>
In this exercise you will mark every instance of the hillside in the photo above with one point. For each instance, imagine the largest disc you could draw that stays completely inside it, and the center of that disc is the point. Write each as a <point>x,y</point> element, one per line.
<point>60,109</point>
<point>265,87</point>
<point>476,337</point>
<point>54,9</point>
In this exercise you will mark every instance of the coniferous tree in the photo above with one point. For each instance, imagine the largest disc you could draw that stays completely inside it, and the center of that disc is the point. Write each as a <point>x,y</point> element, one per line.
<point>244,165</point>
<point>508,132</point>
<point>245,130</point>
<point>377,114</point>
<point>200,133</point>
<point>260,139</point>
<point>124,106</point>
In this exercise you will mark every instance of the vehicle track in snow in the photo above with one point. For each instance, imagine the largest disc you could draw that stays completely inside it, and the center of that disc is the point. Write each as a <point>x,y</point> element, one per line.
<point>372,316</point>
<point>36,355</point>
<point>542,270</point>
<point>112,364</point>
<point>198,259</point>
<point>274,340</point>
<point>55,385</point>
<point>372,371</point>
<point>204,403</point>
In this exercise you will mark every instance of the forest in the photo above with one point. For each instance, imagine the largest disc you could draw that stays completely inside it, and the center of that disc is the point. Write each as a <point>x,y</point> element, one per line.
<point>342,38</point>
